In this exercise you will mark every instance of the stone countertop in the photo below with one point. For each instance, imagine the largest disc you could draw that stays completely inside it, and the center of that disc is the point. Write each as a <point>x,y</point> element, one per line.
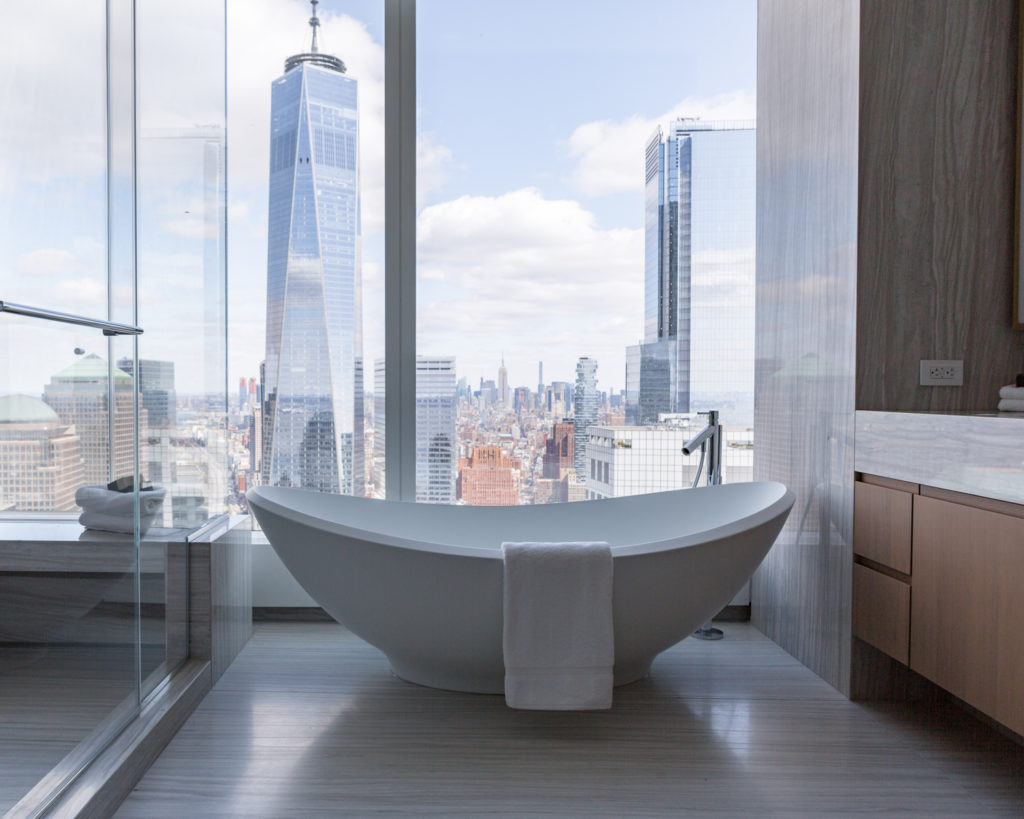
<point>45,544</point>
<point>979,453</point>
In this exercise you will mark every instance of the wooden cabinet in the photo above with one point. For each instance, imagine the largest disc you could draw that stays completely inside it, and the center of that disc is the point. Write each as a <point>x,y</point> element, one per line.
<point>882,525</point>
<point>967,607</point>
<point>881,612</point>
<point>938,584</point>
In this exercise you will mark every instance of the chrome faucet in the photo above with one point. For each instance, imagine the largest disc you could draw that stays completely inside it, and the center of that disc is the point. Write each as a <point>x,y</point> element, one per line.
<point>709,440</point>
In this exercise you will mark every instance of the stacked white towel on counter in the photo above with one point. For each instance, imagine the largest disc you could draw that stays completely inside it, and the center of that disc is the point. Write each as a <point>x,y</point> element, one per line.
<point>110,511</point>
<point>558,639</point>
<point>1011,399</point>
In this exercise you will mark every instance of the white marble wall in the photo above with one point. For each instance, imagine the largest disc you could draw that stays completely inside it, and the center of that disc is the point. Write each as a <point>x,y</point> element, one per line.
<point>808,54</point>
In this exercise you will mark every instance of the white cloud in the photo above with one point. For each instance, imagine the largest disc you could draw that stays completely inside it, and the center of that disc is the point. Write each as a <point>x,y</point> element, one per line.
<point>518,273</point>
<point>432,163</point>
<point>609,154</point>
<point>47,261</point>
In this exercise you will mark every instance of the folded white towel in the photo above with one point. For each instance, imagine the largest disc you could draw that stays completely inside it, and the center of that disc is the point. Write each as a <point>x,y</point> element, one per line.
<point>1010,391</point>
<point>1011,405</point>
<point>111,511</point>
<point>558,638</point>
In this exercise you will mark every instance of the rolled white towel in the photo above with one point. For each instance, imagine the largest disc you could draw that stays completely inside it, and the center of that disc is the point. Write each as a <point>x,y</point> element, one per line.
<point>1011,405</point>
<point>1012,392</point>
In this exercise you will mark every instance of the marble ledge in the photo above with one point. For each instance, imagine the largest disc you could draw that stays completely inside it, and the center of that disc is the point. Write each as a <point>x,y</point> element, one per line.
<point>980,453</point>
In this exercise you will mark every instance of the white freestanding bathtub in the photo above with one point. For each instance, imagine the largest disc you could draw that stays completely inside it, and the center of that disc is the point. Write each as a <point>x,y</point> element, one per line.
<point>423,582</point>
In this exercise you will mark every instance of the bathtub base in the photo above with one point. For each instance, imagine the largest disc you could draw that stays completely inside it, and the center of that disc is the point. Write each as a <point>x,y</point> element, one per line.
<point>431,676</point>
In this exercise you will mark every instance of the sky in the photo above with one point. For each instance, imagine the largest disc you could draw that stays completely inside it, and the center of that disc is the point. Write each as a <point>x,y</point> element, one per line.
<point>532,119</point>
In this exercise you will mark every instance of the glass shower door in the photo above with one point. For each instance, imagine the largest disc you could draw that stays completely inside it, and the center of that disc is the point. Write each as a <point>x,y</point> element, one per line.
<point>70,661</point>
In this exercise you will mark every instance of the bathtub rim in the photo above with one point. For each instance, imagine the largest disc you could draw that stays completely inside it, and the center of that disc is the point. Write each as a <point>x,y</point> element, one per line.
<point>762,514</point>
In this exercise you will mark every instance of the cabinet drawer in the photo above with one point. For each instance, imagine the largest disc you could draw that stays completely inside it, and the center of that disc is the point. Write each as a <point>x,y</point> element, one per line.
<point>882,525</point>
<point>881,612</point>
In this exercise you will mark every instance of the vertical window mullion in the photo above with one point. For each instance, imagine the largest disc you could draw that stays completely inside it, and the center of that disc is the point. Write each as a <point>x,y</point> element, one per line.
<point>400,248</point>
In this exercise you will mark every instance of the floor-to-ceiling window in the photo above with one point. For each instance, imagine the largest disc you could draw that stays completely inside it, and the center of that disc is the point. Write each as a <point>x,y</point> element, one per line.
<point>585,246</point>
<point>583,265</point>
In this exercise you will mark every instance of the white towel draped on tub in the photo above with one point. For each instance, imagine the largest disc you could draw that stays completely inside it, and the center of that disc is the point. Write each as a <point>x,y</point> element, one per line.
<point>558,638</point>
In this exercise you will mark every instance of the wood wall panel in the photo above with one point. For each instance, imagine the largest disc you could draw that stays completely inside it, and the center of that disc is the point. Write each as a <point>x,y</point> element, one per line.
<point>935,249</point>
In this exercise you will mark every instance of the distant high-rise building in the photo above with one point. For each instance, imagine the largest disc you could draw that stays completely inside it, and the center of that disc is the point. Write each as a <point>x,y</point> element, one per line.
<point>436,446</point>
<point>584,410</point>
<point>488,392</point>
<point>504,395</point>
<point>156,389</point>
<point>488,477</point>
<point>313,398</point>
<point>40,457</point>
<point>558,397</point>
<point>79,395</point>
<point>559,452</point>
<point>698,345</point>
<point>540,380</point>
<point>158,398</point>
<point>521,398</point>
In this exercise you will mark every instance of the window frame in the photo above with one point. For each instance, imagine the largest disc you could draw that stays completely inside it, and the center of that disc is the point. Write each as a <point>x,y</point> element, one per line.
<point>400,249</point>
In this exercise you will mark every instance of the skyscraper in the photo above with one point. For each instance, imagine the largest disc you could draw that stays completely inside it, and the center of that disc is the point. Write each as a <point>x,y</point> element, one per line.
<point>41,463</point>
<point>156,389</point>
<point>698,347</point>
<point>504,394</point>
<point>584,411</point>
<point>436,445</point>
<point>313,401</point>
<point>79,395</point>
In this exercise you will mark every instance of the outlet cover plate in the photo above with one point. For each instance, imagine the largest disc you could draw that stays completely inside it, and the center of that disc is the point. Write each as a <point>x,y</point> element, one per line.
<point>942,373</point>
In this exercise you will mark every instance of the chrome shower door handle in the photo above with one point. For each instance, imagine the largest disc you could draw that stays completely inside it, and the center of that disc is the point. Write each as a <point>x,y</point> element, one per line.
<point>109,328</point>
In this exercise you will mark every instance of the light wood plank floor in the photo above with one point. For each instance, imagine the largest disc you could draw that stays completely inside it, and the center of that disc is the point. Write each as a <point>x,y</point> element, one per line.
<point>308,721</point>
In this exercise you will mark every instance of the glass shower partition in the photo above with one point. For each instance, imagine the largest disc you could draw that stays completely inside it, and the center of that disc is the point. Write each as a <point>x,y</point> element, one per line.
<point>112,167</point>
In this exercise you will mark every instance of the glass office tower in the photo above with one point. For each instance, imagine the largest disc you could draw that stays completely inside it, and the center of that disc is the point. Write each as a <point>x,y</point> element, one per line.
<point>698,347</point>
<point>584,411</point>
<point>313,403</point>
<point>436,446</point>
<point>436,443</point>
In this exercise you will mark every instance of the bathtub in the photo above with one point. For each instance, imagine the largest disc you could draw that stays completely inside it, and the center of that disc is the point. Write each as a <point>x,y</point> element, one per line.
<point>423,582</point>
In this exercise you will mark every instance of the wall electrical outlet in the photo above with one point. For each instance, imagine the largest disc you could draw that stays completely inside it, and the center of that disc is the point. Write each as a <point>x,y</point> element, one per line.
<point>942,373</point>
